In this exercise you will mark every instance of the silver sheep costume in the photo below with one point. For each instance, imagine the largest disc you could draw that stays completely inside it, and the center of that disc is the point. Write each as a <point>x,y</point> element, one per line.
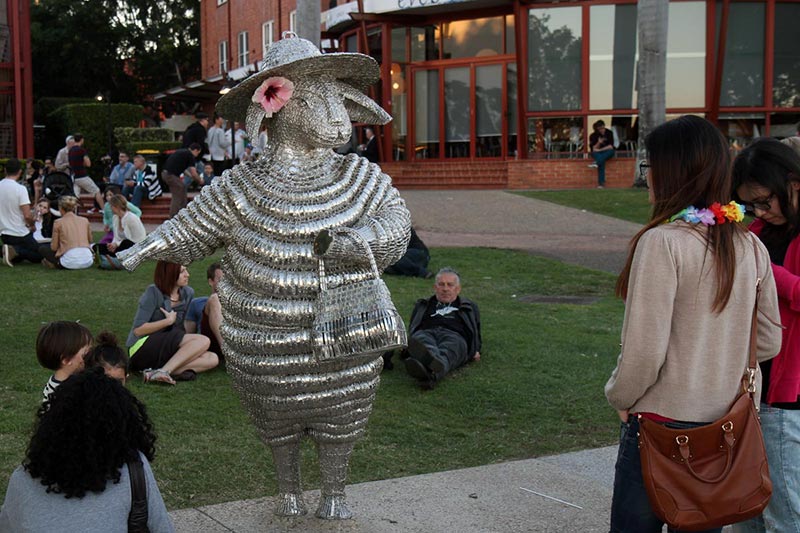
<point>274,217</point>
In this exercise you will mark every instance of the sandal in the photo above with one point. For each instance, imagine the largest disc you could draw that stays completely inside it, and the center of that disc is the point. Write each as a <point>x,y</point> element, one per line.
<point>157,375</point>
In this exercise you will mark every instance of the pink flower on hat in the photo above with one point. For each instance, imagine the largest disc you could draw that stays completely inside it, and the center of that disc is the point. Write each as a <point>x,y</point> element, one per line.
<point>273,94</point>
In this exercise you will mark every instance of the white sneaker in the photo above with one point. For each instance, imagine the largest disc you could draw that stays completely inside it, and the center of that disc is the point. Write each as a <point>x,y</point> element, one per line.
<point>9,253</point>
<point>592,165</point>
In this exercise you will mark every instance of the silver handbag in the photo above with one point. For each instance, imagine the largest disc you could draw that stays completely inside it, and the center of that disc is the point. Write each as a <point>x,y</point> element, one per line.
<point>356,318</point>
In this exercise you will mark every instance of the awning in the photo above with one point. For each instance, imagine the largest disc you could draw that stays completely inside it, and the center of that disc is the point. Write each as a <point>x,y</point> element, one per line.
<point>194,91</point>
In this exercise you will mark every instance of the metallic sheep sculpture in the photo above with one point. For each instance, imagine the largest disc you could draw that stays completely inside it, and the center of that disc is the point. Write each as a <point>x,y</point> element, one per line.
<point>275,217</point>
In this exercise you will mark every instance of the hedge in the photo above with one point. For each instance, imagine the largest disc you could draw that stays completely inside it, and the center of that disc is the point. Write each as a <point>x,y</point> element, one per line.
<point>134,139</point>
<point>159,146</point>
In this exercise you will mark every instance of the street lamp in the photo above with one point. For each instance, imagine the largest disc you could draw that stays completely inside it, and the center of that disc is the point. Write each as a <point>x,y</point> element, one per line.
<point>100,97</point>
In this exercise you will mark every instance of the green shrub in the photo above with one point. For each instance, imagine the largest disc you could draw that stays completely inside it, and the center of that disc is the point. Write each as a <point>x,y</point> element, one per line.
<point>48,104</point>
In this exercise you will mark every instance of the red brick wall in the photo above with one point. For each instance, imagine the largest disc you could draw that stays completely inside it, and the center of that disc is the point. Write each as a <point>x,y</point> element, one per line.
<point>526,174</point>
<point>246,15</point>
<point>567,174</point>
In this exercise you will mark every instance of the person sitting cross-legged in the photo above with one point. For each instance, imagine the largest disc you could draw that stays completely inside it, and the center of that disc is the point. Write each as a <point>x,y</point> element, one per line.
<point>444,331</point>
<point>204,315</point>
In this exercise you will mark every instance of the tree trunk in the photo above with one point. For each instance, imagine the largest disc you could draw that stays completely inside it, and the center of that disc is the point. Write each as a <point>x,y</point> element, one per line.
<point>309,19</point>
<point>651,80</point>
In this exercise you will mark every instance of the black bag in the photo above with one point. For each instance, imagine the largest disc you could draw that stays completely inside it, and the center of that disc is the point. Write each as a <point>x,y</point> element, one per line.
<point>137,518</point>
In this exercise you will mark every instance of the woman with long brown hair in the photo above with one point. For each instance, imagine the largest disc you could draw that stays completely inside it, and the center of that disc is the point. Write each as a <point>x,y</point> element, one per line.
<point>158,343</point>
<point>689,287</point>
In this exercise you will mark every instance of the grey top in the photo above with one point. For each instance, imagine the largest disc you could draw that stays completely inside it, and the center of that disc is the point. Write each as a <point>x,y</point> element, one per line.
<point>150,304</point>
<point>29,507</point>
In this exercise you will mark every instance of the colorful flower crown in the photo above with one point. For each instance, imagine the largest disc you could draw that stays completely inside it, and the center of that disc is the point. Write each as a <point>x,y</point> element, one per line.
<point>711,216</point>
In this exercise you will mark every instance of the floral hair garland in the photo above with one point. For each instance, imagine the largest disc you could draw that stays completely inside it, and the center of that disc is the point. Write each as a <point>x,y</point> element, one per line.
<point>273,94</point>
<point>711,216</point>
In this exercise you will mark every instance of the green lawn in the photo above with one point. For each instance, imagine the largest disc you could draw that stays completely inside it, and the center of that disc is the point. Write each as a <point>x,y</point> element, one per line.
<point>538,389</point>
<point>627,204</point>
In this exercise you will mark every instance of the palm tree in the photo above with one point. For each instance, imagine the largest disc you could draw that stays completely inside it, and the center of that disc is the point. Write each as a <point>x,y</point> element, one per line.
<point>653,17</point>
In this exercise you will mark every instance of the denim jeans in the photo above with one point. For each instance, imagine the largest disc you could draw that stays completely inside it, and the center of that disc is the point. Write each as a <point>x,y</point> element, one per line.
<point>600,159</point>
<point>630,507</point>
<point>26,247</point>
<point>138,192</point>
<point>781,429</point>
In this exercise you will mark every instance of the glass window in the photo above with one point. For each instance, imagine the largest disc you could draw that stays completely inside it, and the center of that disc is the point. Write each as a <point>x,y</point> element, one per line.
<point>426,114</point>
<point>741,128</point>
<point>554,59</point>
<point>399,110</point>
<point>457,111</point>
<point>511,46</point>
<point>555,137</point>
<point>266,36</point>
<point>351,43</point>
<point>489,110</point>
<point>399,54</point>
<point>686,55</point>
<point>786,77</point>
<point>612,57</point>
<point>244,52</point>
<point>473,38</point>
<point>511,112</point>
<point>293,21</point>
<point>783,125</point>
<point>223,57</point>
<point>425,43</point>
<point>743,69</point>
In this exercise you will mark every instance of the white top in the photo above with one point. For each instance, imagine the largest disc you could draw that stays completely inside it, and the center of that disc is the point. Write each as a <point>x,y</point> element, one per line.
<point>130,228</point>
<point>77,258</point>
<point>218,143</point>
<point>240,137</point>
<point>12,197</point>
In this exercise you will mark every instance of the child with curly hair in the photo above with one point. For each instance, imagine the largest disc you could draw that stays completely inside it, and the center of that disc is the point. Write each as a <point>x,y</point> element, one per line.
<point>61,347</point>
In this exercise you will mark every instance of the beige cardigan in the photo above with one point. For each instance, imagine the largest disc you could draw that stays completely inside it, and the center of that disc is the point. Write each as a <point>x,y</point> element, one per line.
<point>679,359</point>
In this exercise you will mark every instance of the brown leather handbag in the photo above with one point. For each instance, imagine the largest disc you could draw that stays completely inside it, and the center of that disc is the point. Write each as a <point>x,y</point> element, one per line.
<point>712,475</point>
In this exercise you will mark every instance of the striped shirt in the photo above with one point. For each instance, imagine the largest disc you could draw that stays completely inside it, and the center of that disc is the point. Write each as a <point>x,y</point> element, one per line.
<point>50,387</point>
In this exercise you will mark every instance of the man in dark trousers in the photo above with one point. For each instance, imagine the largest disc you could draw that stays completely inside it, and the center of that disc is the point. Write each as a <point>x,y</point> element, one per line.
<point>182,160</point>
<point>371,148</point>
<point>445,331</point>
<point>196,132</point>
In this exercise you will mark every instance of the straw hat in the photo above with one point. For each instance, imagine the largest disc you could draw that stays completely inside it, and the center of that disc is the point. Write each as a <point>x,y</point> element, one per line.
<point>294,58</point>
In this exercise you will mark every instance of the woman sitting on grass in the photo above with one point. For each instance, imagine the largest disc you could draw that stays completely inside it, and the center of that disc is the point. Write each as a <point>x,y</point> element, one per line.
<point>108,214</point>
<point>128,228</point>
<point>158,344</point>
<point>70,247</point>
<point>76,475</point>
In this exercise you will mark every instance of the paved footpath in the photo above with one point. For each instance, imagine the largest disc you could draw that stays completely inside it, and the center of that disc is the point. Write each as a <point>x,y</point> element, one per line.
<point>558,494</point>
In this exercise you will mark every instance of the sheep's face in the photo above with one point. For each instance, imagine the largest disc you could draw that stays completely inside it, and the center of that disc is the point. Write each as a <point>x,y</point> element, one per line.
<point>315,116</point>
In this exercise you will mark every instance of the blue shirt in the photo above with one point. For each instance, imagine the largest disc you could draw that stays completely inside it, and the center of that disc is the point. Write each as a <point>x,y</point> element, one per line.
<point>121,173</point>
<point>195,311</point>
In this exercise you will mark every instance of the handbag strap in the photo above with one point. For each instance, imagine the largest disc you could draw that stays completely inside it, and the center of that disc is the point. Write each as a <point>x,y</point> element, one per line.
<point>137,518</point>
<point>323,282</point>
<point>750,375</point>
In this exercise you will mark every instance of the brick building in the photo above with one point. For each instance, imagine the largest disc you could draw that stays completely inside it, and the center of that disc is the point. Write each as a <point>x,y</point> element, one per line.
<point>450,77</point>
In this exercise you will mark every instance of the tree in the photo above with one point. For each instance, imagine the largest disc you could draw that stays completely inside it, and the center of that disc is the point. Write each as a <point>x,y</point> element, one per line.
<point>125,48</point>
<point>651,76</point>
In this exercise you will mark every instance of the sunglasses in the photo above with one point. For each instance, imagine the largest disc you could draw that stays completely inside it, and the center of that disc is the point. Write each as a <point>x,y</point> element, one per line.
<point>761,205</point>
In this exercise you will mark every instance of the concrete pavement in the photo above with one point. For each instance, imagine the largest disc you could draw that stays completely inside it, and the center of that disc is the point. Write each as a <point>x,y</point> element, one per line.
<point>562,493</point>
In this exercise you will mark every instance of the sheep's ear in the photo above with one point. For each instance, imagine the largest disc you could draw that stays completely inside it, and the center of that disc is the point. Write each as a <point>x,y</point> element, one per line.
<point>255,117</point>
<point>362,108</point>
